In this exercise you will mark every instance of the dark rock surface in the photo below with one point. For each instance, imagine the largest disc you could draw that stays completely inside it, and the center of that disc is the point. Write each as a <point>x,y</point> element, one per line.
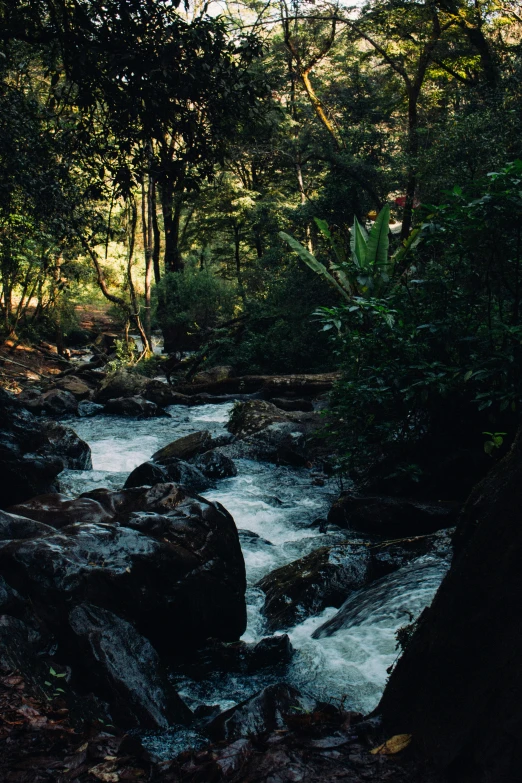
<point>266,711</point>
<point>134,406</point>
<point>173,568</point>
<point>86,409</point>
<point>183,473</point>
<point>272,434</point>
<point>458,686</point>
<point>394,589</point>
<point>75,386</point>
<point>215,465</point>
<point>391,517</point>
<point>289,404</point>
<point>242,657</point>
<point>125,669</point>
<point>33,453</point>
<point>184,448</point>
<point>56,402</point>
<point>308,585</point>
<point>58,511</point>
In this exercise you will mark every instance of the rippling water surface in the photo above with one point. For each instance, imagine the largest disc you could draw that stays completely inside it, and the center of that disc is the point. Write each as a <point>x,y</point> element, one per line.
<point>278,504</point>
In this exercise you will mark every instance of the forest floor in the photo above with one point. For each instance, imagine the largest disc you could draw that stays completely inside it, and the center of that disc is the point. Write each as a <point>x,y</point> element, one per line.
<point>41,744</point>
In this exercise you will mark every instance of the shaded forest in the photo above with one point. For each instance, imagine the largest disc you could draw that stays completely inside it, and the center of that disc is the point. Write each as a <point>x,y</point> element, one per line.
<point>309,212</point>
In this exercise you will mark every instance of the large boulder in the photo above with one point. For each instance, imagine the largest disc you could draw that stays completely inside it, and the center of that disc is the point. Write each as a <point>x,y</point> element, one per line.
<point>183,473</point>
<point>391,517</point>
<point>216,465</point>
<point>33,453</point>
<point>272,434</point>
<point>135,406</point>
<point>184,448</point>
<point>169,564</point>
<point>55,510</point>
<point>75,386</point>
<point>264,712</point>
<point>124,668</point>
<point>120,384</point>
<point>56,402</point>
<point>308,585</point>
<point>458,685</point>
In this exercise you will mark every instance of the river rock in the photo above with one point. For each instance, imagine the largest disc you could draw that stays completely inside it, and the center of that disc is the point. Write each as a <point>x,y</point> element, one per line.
<point>120,384</point>
<point>33,453</point>
<point>184,448</point>
<point>55,402</point>
<point>272,434</point>
<point>391,517</point>
<point>264,712</point>
<point>75,386</point>
<point>308,585</point>
<point>57,511</point>
<point>213,375</point>
<point>174,569</point>
<point>87,409</point>
<point>241,657</point>
<point>458,685</point>
<point>423,574</point>
<point>13,526</point>
<point>137,407</point>
<point>216,465</point>
<point>287,404</point>
<point>183,473</point>
<point>122,666</point>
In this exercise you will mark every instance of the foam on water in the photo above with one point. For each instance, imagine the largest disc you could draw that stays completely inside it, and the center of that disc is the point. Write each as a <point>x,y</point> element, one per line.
<point>273,507</point>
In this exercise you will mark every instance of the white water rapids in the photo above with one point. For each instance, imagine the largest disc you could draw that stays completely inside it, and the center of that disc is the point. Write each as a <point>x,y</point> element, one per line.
<point>279,504</point>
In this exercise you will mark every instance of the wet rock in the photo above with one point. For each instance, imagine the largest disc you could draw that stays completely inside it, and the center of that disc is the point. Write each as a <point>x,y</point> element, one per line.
<point>147,474</point>
<point>33,453</point>
<point>239,657</point>
<point>253,416</point>
<point>308,585</point>
<point>75,386</point>
<point>183,473</point>
<point>424,574</point>
<point>287,404</point>
<point>309,385</point>
<point>458,685</point>
<point>213,375</point>
<point>137,407</point>
<point>392,517</point>
<point>161,393</point>
<point>261,713</point>
<point>388,557</point>
<point>272,434</point>
<point>10,601</point>
<point>174,569</point>
<point>15,527</point>
<point>120,384</point>
<point>55,402</point>
<point>216,465</point>
<point>184,448</point>
<point>122,666</point>
<point>86,409</point>
<point>252,539</point>
<point>57,511</point>
<point>18,647</point>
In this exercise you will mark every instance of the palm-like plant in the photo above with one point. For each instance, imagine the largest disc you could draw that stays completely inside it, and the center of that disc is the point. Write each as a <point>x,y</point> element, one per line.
<point>367,269</point>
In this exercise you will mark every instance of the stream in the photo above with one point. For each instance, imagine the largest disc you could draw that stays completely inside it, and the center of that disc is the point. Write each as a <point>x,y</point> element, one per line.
<point>278,504</point>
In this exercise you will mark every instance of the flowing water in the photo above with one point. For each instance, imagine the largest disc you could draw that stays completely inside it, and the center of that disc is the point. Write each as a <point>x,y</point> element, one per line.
<point>348,660</point>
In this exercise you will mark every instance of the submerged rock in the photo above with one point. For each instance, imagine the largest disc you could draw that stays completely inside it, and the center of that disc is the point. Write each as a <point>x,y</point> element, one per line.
<point>33,453</point>
<point>308,585</point>
<point>122,666</point>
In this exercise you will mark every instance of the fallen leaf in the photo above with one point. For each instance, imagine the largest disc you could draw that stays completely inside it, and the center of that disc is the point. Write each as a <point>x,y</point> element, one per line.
<point>394,745</point>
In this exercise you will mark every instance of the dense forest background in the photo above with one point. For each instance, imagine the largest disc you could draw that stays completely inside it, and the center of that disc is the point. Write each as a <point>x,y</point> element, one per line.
<point>152,153</point>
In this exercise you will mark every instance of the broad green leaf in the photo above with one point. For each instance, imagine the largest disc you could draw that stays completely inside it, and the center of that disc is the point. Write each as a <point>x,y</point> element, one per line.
<point>311,261</point>
<point>324,228</point>
<point>378,241</point>
<point>358,241</point>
